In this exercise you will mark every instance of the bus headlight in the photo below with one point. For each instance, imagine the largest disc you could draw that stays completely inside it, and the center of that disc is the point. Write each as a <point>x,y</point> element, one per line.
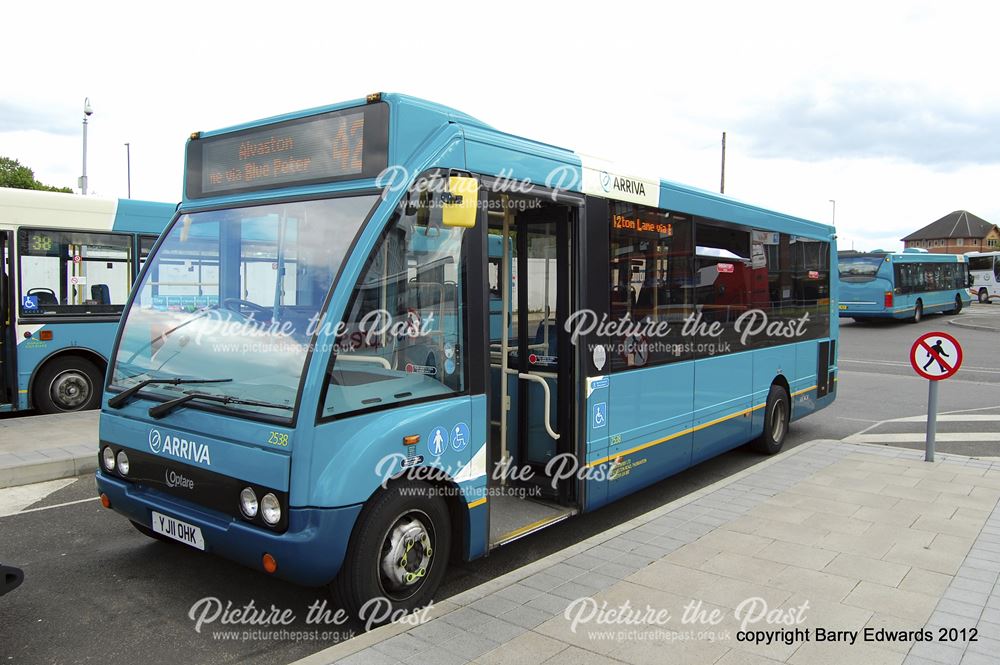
<point>122,462</point>
<point>248,502</point>
<point>270,509</point>
<point>109,458</point>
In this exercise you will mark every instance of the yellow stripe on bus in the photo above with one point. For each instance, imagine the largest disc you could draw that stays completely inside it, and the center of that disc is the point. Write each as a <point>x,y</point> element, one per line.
<point>650,444</point>
<point>689,430</point>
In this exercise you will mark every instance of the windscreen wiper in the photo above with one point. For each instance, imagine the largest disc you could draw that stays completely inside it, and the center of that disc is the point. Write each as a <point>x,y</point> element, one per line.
<point>118,401</point>
<point>161,410</point>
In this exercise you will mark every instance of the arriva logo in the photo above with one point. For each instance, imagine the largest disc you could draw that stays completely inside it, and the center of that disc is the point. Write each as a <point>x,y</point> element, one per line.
<point>155,441</point>
<point>178,447</point>
<point>605,181</point>
<point>622,185</point>
<point>175,479</point>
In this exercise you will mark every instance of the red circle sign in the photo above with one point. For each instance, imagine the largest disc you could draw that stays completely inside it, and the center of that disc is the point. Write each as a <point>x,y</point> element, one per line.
<point>936,356</point>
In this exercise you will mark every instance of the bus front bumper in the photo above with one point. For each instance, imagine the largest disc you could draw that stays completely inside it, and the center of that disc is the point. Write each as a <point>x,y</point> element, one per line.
<point>309,553</point>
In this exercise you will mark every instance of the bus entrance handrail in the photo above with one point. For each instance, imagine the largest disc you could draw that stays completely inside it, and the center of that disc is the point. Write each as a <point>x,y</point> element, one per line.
<point>548,400</point>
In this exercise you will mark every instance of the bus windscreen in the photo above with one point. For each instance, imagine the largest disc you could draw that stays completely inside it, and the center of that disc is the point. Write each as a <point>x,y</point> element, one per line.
<point>860,268</point>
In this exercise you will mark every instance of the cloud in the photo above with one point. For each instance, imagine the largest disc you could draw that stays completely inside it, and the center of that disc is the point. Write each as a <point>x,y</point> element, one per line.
<point>15,118</point>
<point>875,121</point>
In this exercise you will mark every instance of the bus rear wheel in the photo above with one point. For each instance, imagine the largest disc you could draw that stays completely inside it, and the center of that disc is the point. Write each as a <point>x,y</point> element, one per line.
<point>70,383</point>
<point>777,414</point>
<point>984,297</point>
<point>918,313</point>
<point>397,555</point>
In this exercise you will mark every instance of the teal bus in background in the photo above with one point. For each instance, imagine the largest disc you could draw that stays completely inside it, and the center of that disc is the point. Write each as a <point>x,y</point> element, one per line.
<point>68,264</point>
<point>902,285</point>
<point>401,337</point>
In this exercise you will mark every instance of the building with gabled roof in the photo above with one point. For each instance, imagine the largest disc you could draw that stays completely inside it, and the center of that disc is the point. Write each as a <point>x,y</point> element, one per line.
<point>956,233</point>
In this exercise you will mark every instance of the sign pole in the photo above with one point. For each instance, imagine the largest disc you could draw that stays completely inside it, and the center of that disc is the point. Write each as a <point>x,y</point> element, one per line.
<point>935,356</point>
<point>932,407</point>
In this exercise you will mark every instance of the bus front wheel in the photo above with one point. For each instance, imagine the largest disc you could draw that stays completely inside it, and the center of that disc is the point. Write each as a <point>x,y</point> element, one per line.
<point>958,305</point>
<point>70,383</point>
<point>397,555</point>
<point>777,414</point>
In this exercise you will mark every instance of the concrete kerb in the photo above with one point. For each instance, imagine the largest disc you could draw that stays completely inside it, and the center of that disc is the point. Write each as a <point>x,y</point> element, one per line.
<point>57,466</point>
<point>465,598</point>
<point>39,448</point>
<point>971,326</point>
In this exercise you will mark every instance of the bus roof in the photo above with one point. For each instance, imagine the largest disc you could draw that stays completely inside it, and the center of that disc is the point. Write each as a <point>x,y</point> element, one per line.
<point>26,207</point>
<point>418,128</point>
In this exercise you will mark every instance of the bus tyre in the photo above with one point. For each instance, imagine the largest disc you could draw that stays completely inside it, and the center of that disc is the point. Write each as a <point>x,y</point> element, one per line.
<point>958,305</point>
<point>918,313</point>
<point>984,297</point>
<point>777,413</point>
<point>66,384</point>
<point>398,552</point>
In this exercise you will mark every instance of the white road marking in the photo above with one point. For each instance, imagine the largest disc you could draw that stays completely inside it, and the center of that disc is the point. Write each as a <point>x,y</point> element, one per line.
<point>957,418</point>
<point>958,415</point>
<point>16,499</point>
<point>891,363</point>
<point>57,505</point>
<point>918,437</point>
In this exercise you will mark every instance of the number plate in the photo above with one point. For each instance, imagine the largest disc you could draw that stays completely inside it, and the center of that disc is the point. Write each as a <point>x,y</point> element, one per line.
<point>178,530</point>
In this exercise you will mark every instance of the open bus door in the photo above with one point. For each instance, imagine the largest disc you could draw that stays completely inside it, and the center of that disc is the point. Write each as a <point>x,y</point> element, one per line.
<point>532,367</point>
<point>8,384</point>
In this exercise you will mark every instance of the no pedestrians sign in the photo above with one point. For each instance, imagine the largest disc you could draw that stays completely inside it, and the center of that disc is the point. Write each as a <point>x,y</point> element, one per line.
<point>936,356</point>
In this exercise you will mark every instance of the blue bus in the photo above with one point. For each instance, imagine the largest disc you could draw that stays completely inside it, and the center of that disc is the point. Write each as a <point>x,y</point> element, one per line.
<point>902,285</point>
<point>402,337</point>
<point>68,264</point>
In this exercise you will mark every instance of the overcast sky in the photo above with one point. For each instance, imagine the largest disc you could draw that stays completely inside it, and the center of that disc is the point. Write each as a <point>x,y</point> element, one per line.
<point>890,108</point>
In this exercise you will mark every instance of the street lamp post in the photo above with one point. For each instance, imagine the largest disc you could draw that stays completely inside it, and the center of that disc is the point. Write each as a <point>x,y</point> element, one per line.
<point>87,112</point>
<point>833,222</point>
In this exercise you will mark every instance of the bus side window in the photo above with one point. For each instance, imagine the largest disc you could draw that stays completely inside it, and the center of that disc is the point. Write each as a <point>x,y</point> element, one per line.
<point>402,337</point>
<point>74,272</point>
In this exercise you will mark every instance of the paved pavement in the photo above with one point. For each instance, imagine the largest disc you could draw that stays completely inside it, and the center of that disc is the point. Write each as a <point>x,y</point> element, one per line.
<point>838,542</point>
<point>38,448</point>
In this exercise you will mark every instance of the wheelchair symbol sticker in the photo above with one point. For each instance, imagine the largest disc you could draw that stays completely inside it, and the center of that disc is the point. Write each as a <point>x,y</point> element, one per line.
<point>437,441</point>
<point>459,437</point>
<point>600,414</point>
<point>29,302</point>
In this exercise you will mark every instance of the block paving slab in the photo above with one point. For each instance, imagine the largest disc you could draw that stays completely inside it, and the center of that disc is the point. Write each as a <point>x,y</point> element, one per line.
<point>868,536</point>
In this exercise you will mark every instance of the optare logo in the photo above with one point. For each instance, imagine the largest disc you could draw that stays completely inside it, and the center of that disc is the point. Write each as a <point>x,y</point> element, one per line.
<point>605,181</point>
<point>155,440</point>
<point>175,479</point>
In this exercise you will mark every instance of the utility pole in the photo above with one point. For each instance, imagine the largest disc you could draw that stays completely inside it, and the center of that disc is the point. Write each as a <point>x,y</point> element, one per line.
<point>722,183</point>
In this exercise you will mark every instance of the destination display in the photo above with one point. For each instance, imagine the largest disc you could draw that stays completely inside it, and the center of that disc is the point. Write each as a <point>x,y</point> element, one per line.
<point>339,145</point>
